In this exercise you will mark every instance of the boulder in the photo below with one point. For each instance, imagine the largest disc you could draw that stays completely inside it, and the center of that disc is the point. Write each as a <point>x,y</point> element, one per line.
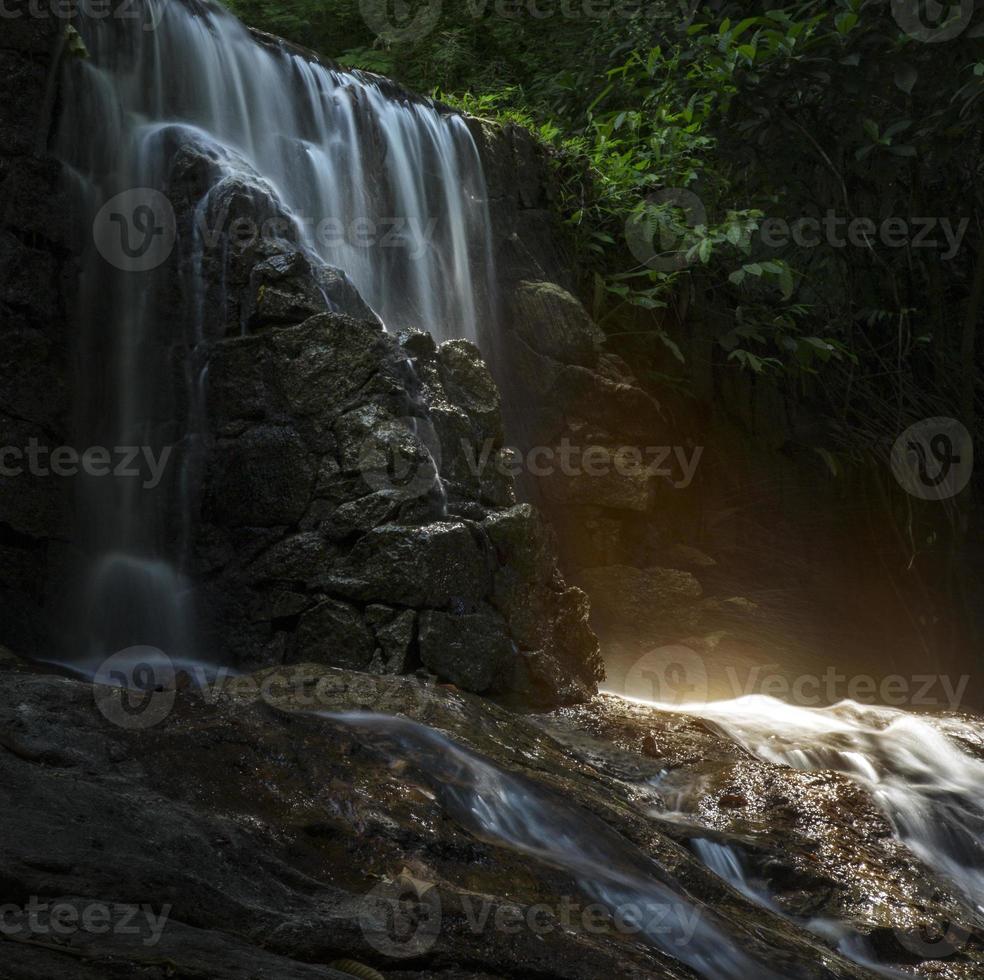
<point>396,633</point>
<point>433,566</point>
<point>333,633</point>
<point>264,478</point>
<point>555,324</point>
<point>473,651</point>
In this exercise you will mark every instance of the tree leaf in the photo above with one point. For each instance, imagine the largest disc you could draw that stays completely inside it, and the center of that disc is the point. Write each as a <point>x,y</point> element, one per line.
<point>906,77</point>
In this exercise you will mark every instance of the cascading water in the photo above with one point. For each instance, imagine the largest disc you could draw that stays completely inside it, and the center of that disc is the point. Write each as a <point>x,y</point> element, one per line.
<point>912,766</point>
<point>509,811</point>
<point>924,783</point>
<point>384,187</point>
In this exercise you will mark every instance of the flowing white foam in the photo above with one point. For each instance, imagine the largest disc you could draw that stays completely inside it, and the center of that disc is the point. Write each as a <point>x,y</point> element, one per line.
<point>928,786</point>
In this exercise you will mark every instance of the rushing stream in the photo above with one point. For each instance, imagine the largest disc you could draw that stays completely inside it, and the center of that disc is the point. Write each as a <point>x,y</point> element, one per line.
<point>920,770</point>
<point>913,767</point>
<point>927,786</point>
<point>507,810</point>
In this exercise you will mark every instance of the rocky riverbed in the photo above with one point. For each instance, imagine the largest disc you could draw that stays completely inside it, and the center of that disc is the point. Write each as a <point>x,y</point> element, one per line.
<point>271,825</point>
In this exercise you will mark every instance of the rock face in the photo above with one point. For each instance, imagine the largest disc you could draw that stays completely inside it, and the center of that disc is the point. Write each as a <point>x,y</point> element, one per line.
<point>609,469</point>
<point>243,244</point>
<point>354,508</point>
<point>36,269</point>
<point>344,520</point>
<point>265,830</point>
<point>350,506</point>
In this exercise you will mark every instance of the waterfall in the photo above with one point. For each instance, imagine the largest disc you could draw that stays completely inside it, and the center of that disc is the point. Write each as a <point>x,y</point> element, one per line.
<point>379,188</point>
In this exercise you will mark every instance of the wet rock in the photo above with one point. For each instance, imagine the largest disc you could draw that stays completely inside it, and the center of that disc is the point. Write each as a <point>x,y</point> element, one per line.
<point>468,384</point>
<point>262,479</point>
<point>568,658</point>
<point>350,455</point>
<point>555,324</point>
<point>475,651</point>
<point>357,517</point>
<point>333,633</point>
<point>434,566</point>
<point>291,286</point>
<point>396,635</point>
<point>258,272</point>
<point>268,832</point>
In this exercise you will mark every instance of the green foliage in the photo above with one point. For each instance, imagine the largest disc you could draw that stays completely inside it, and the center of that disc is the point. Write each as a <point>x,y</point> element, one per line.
<point>793,112</point>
